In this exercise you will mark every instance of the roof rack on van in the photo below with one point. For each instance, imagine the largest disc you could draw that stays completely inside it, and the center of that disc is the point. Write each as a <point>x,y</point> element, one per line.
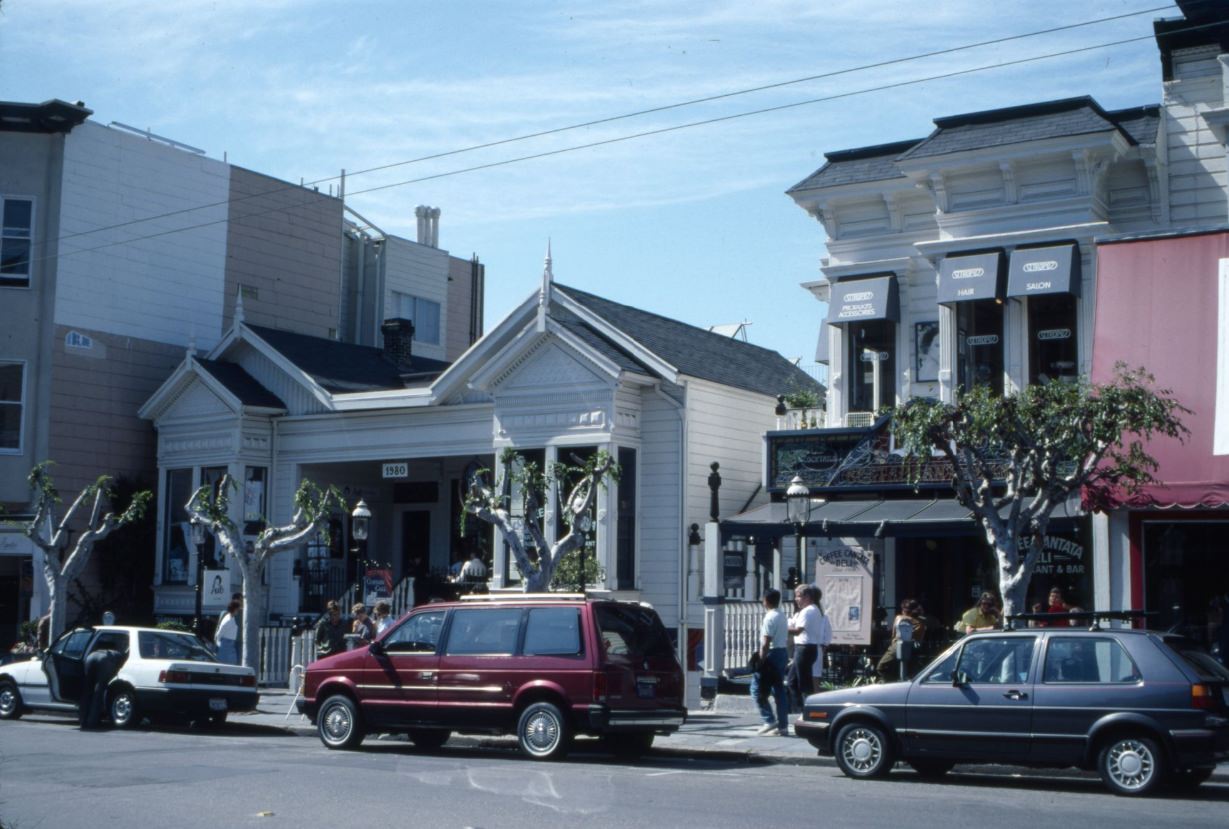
<point>535,597</point>
<point>1093,617</point>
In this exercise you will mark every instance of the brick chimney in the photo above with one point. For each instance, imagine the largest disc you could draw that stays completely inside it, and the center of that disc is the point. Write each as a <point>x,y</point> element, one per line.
<point>399,342</point>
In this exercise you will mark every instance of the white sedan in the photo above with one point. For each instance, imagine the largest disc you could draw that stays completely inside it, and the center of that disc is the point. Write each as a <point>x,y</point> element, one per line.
<point>166,674</point>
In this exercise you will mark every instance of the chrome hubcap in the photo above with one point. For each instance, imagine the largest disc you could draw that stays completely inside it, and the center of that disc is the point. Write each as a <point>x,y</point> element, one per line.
<point>1131,764</point>
<point>337,723</point>
<point>121,709</point>
<point>8,701</point>
<point>862,750</point>
<point>542,733</point>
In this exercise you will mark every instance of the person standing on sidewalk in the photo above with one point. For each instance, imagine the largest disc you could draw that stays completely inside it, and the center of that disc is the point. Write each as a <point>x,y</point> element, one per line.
<point>330,632</point>
<point>226,637</point>
<point>805,628</point>
<point>770,678</point>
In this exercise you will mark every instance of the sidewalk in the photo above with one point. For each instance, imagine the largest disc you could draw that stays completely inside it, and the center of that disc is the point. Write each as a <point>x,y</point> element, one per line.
<point>726,731</point>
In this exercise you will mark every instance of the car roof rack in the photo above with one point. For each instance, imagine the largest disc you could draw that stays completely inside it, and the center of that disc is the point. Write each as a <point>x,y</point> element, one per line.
<point>493,598</point>
<point>1093,617</point>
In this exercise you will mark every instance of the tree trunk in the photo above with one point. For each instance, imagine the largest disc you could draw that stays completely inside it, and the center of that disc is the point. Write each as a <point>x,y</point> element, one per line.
<point>57,597</point>
<point>253,614</point>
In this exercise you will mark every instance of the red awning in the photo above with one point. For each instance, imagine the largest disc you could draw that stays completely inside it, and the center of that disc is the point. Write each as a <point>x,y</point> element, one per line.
<point>1158,306</point>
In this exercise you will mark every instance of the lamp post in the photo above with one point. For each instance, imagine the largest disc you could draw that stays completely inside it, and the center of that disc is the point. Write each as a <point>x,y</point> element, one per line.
<point>198,541</point>
<point>360,522</point>
<point>798,509</point>
<point>584,523</point>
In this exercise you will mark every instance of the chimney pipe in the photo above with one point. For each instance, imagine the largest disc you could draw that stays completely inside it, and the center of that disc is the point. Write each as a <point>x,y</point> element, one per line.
<point>399,342</point>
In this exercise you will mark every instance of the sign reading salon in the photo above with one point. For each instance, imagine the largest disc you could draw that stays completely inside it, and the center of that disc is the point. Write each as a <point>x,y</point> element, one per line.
<point>1040,271</point>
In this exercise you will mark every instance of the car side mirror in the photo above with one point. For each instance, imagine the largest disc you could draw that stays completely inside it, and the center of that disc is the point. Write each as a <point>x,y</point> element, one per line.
<point>959,678</point>
<point>376,649</point>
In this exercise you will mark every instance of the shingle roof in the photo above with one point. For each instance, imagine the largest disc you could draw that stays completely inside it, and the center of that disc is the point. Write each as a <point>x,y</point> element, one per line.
<point>343,367</point>
<point>856,166</point>
<point>699,353</point>
<point>241,384</point>
<point>1141,123</point>
<point>1013,125</point>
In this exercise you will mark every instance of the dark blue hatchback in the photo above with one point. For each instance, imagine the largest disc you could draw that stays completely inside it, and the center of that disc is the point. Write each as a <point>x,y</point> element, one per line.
<point>1140,707</point>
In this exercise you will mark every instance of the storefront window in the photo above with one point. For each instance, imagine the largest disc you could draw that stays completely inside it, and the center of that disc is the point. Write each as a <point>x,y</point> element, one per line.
<point>253,500</point>
<point>625,544</point>
<point>871,344</point>
<point>979,344</point>
<point>1052,342</point>
<point>177,533</point>
<point>212,557</point>
<point>1184,578</point>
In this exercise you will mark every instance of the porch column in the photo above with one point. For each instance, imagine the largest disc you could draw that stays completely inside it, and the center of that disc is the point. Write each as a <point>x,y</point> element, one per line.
<point>499,555</point>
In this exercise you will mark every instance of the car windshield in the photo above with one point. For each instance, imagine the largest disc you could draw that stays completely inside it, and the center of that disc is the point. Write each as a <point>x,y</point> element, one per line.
<point>629,630</point>
<point>172,645</point>
<point>1195,657</point>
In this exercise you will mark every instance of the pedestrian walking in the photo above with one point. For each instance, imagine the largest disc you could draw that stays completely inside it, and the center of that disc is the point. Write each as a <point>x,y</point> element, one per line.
<point>805,626</point>
<point>770,678</point>
<point>226,637</point>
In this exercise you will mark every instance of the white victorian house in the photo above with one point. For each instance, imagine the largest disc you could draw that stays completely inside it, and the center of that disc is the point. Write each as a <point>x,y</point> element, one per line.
<point>565,374</point>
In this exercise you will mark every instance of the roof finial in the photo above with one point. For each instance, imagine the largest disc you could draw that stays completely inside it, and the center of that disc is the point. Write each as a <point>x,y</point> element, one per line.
<point>548,278</point>
<point>191,347</point>
<point>239,306</point>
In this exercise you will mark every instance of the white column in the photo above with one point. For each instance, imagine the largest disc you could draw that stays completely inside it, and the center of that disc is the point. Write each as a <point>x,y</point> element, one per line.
<point>947,353</point>
<point>1102,592</point>
<point>499,555</point>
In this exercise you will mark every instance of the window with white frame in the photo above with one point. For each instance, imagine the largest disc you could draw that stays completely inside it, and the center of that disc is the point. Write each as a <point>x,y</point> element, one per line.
<point>16,238</point>
<point>12,404</point>
<point>424,313</point>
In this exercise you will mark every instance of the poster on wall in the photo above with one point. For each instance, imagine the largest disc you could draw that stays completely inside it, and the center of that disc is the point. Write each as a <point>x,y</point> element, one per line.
<point>377,585</point>
<point>846,575</point>
<point>215,589</point>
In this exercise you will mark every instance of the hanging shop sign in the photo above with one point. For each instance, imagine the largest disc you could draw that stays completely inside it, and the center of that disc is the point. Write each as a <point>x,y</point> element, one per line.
<point>846,575</point>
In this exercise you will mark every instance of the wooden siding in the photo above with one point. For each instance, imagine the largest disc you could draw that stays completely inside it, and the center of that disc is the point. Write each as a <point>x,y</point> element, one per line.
<point>1197,172</point>
<point>658,521</point>
<point>421,271</point>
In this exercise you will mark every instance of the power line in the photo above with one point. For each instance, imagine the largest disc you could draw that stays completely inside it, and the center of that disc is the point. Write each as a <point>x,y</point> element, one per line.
<point>663,130</point>
<point>626,116</point>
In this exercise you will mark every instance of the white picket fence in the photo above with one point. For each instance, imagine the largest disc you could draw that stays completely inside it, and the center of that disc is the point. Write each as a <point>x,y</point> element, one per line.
<point>742,630</point>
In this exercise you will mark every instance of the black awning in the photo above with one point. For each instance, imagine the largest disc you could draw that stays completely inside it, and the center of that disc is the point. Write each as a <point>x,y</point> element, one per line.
<point>857,300</point>
<point>905,517</point>
<point>1050,270</point>
<point>971,276</point>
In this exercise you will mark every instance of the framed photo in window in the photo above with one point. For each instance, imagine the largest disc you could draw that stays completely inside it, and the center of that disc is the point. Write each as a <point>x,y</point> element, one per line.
<point>926,351</point>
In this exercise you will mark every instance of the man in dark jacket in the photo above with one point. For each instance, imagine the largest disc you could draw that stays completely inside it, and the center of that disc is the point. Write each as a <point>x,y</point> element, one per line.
<point>101,666</point>
<point>330,632</point>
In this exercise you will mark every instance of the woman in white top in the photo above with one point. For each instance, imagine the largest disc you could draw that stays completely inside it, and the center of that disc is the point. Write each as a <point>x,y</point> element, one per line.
<point>807,629</point>
<point>227,634</point>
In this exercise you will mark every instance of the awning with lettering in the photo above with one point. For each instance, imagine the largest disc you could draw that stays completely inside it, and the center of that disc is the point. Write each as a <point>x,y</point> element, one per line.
<point>858,300</point>
<point>971,276</point>
<point>1049,270</point>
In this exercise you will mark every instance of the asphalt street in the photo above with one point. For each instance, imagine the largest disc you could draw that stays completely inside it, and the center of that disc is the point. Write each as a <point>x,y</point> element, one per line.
<point>248,774</point>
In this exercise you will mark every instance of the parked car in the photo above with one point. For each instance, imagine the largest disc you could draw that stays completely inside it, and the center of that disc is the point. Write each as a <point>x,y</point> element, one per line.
<point>166,674</point>
<point>545,667</point>
<point>1139,707</point>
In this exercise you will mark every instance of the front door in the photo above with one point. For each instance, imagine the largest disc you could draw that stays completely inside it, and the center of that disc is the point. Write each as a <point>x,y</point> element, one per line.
<point>416,551</point>
<point>398,686</point>
<point>987,713</point>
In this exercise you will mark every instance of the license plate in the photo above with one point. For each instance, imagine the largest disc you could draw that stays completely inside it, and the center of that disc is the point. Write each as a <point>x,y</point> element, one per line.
<point>217,704</point>
<point>646,689</point>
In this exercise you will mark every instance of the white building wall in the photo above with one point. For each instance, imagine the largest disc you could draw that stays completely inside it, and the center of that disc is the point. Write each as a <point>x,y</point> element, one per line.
<point>422,271</point>
<point>659,521</point>
<point>168,288</point>
<point>1197,174</point>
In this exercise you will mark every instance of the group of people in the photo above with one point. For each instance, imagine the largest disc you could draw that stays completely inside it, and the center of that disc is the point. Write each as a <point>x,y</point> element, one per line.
<point>778,677</point>
<point>332,630</point>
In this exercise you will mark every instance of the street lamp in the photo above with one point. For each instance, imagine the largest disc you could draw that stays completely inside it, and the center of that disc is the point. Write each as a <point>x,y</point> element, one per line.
<point>798,509</point>
<point>198,541</point>
<point>360,522</point>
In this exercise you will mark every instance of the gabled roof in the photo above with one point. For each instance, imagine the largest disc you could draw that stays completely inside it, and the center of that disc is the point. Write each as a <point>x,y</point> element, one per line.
<point>242,385</point>
<point>1015,125</point>
<point>694,351</point>
<point>340,368</point>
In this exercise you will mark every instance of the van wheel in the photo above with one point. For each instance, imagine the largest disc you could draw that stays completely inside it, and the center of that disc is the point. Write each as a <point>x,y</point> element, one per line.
<point>429,738</point>
<point>863,751</point>
<point>10,701</point>
<point>543,732</point>
<point>338,723</point>
<point>1130,765</point>
<point>123,709</point>
<point>629,746</point>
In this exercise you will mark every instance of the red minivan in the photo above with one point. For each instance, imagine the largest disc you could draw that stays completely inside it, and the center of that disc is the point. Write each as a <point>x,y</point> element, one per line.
<point>543,666</point>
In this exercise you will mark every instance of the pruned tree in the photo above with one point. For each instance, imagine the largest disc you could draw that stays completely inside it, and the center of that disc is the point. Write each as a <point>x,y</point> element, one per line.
<point>68,540</point>
<point>534,487</point>
<point>1015,458</point>
<point>210,507</point>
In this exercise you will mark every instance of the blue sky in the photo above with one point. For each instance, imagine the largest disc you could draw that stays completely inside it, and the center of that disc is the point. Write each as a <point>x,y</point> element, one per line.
<point>693,224</point>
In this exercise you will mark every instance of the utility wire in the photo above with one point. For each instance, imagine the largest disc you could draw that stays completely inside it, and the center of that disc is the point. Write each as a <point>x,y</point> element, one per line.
<point>625,116</point>
<point>661,131</point>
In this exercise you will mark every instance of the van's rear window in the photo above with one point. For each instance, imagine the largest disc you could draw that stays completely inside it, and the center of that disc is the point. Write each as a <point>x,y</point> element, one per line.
<point>628,630</point>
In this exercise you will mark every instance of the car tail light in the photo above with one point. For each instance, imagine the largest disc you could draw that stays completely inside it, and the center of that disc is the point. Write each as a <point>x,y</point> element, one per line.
<point>1203,696</point>
<point>182,677</point>
<point>601,687</point>
<point>248,680</point>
